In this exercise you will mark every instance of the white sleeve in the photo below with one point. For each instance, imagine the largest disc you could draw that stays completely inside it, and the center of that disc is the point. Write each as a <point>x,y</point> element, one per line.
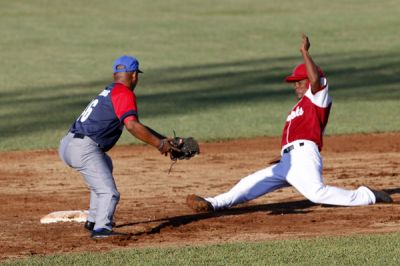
<point>321,98</point>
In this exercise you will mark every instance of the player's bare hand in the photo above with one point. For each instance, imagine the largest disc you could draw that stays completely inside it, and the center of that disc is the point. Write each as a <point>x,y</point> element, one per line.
<point>305,43</point>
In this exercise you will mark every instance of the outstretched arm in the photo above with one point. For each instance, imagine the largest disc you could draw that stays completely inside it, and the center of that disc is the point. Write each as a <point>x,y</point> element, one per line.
<point>155,133</point>
<point>312,70</point>
<point>148,136</point>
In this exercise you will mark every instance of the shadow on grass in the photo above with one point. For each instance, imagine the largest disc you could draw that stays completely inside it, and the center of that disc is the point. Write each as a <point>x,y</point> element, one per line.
<point>294,207</point>
<point>193,89</point>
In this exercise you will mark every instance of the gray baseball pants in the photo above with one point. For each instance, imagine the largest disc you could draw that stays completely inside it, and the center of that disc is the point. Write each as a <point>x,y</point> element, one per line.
<point>84,155</point>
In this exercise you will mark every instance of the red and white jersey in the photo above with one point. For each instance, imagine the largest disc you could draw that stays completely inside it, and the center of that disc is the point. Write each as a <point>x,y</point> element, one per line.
<point>308,118</point>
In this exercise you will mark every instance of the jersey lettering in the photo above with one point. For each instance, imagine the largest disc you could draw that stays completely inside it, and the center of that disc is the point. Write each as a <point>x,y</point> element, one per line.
<point>105,93</point>
<point>295,113</point>
<point>86,113</point>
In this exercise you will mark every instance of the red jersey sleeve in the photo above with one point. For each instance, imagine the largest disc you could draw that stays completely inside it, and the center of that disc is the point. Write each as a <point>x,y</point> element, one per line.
<point>124,102</point>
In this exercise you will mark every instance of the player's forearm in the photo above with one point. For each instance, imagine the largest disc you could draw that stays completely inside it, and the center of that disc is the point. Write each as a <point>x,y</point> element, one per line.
<point>155,133</point>
<point>312,71</point>
<point>142,133</point>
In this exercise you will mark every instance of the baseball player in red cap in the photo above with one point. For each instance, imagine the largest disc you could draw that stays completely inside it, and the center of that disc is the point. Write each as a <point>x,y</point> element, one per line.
<point>300,164</point>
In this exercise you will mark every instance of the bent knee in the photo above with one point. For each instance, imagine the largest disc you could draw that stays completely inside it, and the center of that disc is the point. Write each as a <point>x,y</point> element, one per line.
<point>112,193</point>
<point>116,195</point>
<point>316,195</point>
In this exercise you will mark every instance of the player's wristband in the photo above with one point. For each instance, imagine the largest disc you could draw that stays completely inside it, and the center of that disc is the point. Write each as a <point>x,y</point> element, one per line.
<point>162,143</point>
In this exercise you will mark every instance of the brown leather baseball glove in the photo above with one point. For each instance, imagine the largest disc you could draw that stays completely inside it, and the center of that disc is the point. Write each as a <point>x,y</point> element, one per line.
<point>183,148</point>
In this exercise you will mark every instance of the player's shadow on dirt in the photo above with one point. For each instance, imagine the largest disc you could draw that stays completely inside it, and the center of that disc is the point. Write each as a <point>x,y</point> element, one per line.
<point>294,207</point>
<point>392,191</point>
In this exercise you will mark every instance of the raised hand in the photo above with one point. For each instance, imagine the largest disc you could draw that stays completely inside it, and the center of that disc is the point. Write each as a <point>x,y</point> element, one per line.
<point>305,43</point>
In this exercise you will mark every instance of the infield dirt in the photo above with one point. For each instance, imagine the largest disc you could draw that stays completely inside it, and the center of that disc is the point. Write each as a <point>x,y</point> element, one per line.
<point>153,210</point>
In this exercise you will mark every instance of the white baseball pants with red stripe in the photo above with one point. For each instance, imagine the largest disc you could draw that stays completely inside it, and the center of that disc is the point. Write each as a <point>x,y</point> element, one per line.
<point>301,168</point>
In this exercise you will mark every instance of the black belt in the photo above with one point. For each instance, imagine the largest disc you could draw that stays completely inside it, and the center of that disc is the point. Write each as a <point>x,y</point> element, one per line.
<point>291,147</point>
<point>78,136</point>
<point>81,136</point>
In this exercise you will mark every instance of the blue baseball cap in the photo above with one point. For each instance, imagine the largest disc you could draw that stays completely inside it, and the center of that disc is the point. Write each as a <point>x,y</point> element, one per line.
<point>126,63</point>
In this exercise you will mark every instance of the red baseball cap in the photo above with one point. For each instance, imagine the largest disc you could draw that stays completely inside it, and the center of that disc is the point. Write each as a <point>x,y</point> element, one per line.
<point>300,73</point>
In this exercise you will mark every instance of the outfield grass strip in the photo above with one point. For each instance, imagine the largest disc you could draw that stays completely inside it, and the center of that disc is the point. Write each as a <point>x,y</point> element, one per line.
<point>354,250</point>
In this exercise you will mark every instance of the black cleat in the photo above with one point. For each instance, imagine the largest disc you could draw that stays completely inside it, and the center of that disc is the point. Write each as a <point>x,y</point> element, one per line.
<point>105,233</point>
<point>381,196</point>
<point>89,226</point>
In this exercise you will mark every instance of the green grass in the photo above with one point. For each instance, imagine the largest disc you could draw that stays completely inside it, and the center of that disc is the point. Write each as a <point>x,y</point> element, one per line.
<point>213,69</point>
<point>354,250</point>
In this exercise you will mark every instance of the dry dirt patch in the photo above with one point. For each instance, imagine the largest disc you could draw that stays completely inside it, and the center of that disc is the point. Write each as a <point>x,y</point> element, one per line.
<point>152,206</point>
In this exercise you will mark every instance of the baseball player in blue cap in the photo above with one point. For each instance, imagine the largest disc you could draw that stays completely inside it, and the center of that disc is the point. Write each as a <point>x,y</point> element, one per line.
<point>96,131</point>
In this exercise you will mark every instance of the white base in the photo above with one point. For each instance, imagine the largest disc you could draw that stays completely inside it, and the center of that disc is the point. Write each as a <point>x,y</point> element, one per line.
<point>65,216</point>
